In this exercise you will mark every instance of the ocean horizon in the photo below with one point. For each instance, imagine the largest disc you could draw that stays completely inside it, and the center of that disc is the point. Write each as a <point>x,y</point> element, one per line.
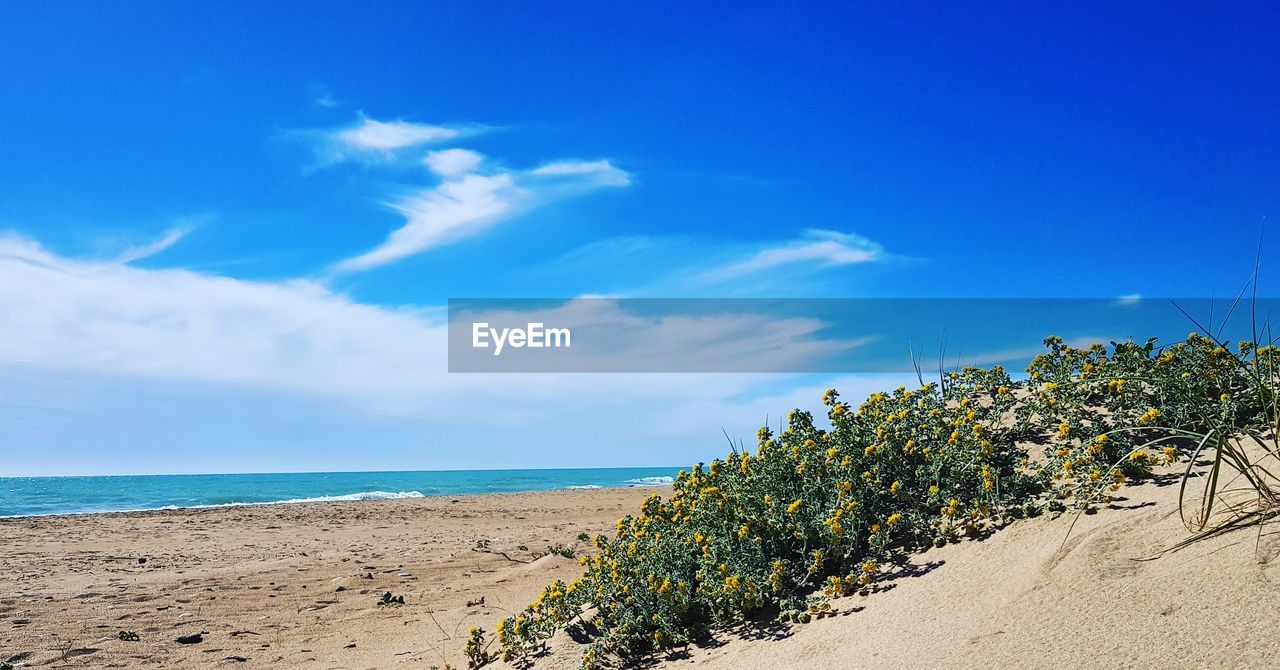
<point>45,496</point>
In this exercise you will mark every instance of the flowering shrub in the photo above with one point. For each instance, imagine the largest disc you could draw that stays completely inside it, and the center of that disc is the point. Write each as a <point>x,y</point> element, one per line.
<point>819,510</point>
<point>1106,408</point>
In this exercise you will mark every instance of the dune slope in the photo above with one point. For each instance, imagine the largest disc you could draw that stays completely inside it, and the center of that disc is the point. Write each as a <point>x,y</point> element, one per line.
<point>1022,598</point>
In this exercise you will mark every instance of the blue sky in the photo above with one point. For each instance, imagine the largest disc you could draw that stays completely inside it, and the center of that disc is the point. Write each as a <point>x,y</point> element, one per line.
<point>227,235</point>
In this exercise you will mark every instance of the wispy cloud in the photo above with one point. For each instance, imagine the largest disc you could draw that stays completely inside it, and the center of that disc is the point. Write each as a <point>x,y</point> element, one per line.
<point>149,249</point>
<point>461,206</point>
<point>468,200</point>
<point>453,162</point>
<point>815,247</point>
<point>471,194</point>
<point>372,141</point>
<point>373,135</point>
<point>596,172</point>
<point>1130,299</point>
<point>686,265</point>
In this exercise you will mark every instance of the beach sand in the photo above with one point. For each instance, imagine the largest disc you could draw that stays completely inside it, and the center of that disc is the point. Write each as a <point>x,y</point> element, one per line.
<point>292,585</point>
<point>262,584</point>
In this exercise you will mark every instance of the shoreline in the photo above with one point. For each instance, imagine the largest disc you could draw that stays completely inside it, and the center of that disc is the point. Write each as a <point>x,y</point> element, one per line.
<point>367,495</point>
<point>333,500</point>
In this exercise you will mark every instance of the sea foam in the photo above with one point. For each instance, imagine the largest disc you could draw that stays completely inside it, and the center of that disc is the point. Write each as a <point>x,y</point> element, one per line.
<point>651,481</point>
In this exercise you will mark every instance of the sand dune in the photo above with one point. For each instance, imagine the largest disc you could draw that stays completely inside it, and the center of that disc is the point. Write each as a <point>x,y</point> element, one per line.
<point>297,586</point>
<point>1021,598</point>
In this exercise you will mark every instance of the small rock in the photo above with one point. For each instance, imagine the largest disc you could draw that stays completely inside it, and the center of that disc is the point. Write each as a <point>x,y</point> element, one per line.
<point>191,639</point>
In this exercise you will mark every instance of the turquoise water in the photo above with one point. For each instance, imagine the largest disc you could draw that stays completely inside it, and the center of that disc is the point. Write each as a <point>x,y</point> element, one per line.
<point>32,496</point>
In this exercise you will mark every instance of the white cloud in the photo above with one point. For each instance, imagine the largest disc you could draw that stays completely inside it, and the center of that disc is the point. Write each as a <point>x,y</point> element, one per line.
<point>453,162</point>
<point>816,247</point>
<point>471,196</point>
<point>456,208</point>
<point>1130,299</point>
<point>596,172</point>
<point>77,317</point>
<point>467,202</point>
<point>111,318</point>
<point>373,135</point>
<point>141,251</point>
<point>371,141</point>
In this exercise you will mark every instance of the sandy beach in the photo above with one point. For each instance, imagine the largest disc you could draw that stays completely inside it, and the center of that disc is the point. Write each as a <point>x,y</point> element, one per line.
<point>293,585</point>
<point>298,586</point>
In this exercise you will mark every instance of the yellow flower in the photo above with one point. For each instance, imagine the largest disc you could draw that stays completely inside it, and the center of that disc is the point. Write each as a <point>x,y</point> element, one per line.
<point>1148,417</point>
<point>952,507</point>
<point>1064,430</point>
<point>893,519</point>
<point>794,507</point>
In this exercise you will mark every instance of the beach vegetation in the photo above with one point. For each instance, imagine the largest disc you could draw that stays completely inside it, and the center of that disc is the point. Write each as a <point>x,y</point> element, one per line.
<point>477,649</point>
<point>389,600</point>
<point>559,550</point>
<point>821,509</point>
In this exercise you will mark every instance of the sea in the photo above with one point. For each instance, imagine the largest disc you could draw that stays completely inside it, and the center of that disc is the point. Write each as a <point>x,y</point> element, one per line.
<point>40,496</point>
